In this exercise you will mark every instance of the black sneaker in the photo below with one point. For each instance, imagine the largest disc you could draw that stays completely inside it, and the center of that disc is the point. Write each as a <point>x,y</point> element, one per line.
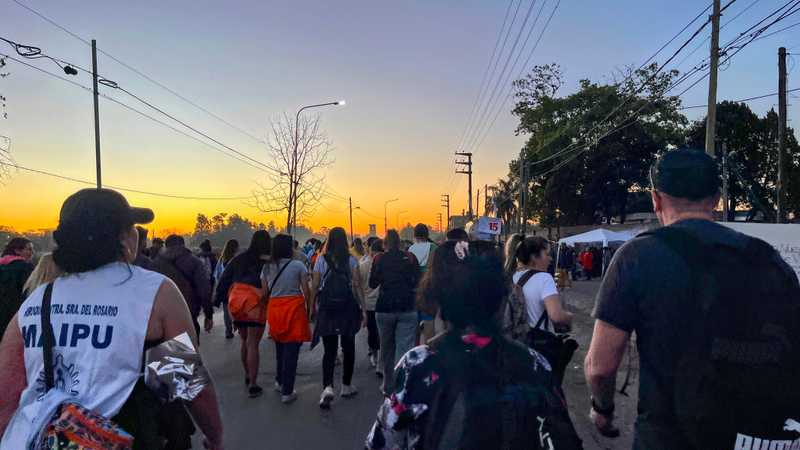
<point>255,391</point>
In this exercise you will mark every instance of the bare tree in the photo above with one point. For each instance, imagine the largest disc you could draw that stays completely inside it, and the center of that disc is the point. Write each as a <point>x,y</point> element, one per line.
<point>296,157</point>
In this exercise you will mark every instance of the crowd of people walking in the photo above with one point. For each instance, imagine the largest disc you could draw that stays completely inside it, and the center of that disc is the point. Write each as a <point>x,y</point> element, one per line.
<point>471,338</point>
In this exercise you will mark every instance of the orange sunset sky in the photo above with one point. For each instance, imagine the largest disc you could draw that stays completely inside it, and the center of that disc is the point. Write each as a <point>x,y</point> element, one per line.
<point>409,71</point>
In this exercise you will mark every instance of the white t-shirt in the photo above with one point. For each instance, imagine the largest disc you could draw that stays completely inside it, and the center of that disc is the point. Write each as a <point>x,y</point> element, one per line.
<point>538,288</point>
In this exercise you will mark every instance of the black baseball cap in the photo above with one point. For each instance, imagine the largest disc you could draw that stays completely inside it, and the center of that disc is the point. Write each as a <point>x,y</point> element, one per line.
<point>93,206</point>
<point>686,173</point>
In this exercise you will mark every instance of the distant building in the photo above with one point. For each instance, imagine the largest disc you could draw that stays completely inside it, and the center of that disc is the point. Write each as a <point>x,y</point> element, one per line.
<point>373,230</point>
<point>639,217</point>
<point>458,221</point>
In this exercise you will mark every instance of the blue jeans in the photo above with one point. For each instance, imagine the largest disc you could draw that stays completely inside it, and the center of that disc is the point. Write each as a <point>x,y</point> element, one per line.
<point>398,333</point>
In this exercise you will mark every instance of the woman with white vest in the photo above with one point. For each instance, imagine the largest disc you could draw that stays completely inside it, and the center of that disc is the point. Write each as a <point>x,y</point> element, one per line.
<point>105,312</point>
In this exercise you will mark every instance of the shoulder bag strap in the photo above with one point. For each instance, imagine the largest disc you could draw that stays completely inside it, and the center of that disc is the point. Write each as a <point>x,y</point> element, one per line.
<point>48,339</point>
<point>271,285</point>
<point>544,319</point>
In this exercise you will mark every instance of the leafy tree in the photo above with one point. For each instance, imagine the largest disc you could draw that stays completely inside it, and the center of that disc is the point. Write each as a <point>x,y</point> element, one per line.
<point>752,146</point>
<point>588,150</point>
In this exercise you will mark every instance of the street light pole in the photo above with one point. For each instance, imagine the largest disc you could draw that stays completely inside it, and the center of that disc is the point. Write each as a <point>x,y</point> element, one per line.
<point>385,214</point>
<point>293,181</point>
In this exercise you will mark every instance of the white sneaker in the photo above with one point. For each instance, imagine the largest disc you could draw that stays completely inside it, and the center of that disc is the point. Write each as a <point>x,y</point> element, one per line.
<point>349,391</point>
<point>286,399</point>
<point>373,360</point>
<point>327,397</point>
<point>278,387</point>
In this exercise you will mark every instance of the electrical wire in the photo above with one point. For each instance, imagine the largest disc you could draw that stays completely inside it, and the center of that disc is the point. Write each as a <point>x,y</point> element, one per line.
<point>753,36</point>
<point>485,75</point>
<point>743,100</point>
<point>124,189</point>
<point>505,81</point>
<point>35,52</point>
<point>142,74</point>
<point>519,76</point>
<point>130,108</point>
<point>700,45</point>
<point>492,96</point>
<point>778,31</point>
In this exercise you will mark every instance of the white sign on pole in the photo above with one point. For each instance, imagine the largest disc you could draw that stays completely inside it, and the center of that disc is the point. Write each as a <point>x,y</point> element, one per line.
<point>784,237</point>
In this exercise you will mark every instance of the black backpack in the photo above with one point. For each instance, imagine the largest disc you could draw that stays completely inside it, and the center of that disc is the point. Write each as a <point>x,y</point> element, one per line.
<point>737,374</point>
<point>337,291</point>
<point>494,399</point>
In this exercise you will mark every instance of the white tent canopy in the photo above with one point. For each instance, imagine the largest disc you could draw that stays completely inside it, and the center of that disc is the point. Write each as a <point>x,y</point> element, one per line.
<point>600,235</point>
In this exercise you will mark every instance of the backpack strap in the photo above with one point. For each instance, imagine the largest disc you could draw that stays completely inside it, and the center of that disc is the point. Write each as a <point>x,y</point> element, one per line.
<point>48,339</point>
<point>271,285</point>
<point>544,319</point>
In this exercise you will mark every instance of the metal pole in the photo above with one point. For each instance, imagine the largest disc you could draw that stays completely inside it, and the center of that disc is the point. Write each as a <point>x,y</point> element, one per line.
<point>96,117</point>
<point>711,119</point>
<point>781,187</point>
<point>352,238</point>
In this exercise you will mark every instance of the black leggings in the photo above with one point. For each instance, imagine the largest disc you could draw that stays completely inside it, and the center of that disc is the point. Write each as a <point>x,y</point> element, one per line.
<point>373,339</point>
<point>331,344</point>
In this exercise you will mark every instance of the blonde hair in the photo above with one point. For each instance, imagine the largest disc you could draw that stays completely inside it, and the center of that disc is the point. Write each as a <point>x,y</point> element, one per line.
<point>46,271</point>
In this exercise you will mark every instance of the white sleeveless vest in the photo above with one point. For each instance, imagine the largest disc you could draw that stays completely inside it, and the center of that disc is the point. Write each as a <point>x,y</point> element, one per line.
<point>100,322</point>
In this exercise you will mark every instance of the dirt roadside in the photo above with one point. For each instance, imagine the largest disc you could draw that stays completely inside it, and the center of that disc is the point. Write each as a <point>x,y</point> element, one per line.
<point>580,300</point>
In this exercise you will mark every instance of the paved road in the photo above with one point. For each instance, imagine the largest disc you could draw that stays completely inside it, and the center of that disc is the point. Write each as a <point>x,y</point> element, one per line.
<point>266,423</point>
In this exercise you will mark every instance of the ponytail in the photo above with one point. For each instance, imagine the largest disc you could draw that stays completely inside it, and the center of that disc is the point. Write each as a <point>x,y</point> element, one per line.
<point>512,248</point>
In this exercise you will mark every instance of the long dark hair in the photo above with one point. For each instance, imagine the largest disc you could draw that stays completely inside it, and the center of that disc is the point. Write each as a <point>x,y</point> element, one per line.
<point>282,247</point>
<point>260,244</point>
<point>229,251</point>
<point>89,242</point>
<point>392,240</point>
<point>468,292</point>
<point>15,245</point>
<point>336,248</point>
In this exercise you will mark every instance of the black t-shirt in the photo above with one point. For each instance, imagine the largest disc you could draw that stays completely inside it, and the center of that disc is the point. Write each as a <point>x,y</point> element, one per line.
<point>641,292</point>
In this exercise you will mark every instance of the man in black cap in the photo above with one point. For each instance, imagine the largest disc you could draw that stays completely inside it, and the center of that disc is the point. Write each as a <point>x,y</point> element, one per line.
<point>716,314</point>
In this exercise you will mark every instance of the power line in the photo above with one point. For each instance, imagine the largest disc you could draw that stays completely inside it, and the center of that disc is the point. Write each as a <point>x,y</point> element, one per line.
<point>519,75</point>
<point>778,31</point>
<point>485,75</point>
<point>135,191</point>
<point>700,45</point>
<point>140,73</point>
<point>743,100</point>
<point>753,36</point>
<point>492,97</point>
<point>504,81</point>
<point>130,108</point>
<point>35,52</point>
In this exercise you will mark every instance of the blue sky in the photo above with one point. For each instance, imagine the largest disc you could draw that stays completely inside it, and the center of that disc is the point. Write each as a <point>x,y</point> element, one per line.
<point>409,70</point>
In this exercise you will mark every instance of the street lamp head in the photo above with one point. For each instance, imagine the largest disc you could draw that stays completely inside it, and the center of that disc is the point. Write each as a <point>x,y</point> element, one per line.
<point>341,103</point>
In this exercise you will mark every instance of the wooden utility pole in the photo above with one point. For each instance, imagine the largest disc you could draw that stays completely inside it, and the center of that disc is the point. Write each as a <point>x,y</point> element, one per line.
<point>781,185</point>
<point>478,204</point>
<point>725,201</point>
<point>486,200</point>
<point>352,238</point>
<point>466,170</point>
<point>711,119</point>
<point>446,204</point>
<point>523,194</point>
<point>96,117</point>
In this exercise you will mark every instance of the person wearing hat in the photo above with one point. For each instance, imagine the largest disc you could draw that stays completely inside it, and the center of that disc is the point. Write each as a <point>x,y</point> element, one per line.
<point>678,287</point>
<point>105,313</point>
